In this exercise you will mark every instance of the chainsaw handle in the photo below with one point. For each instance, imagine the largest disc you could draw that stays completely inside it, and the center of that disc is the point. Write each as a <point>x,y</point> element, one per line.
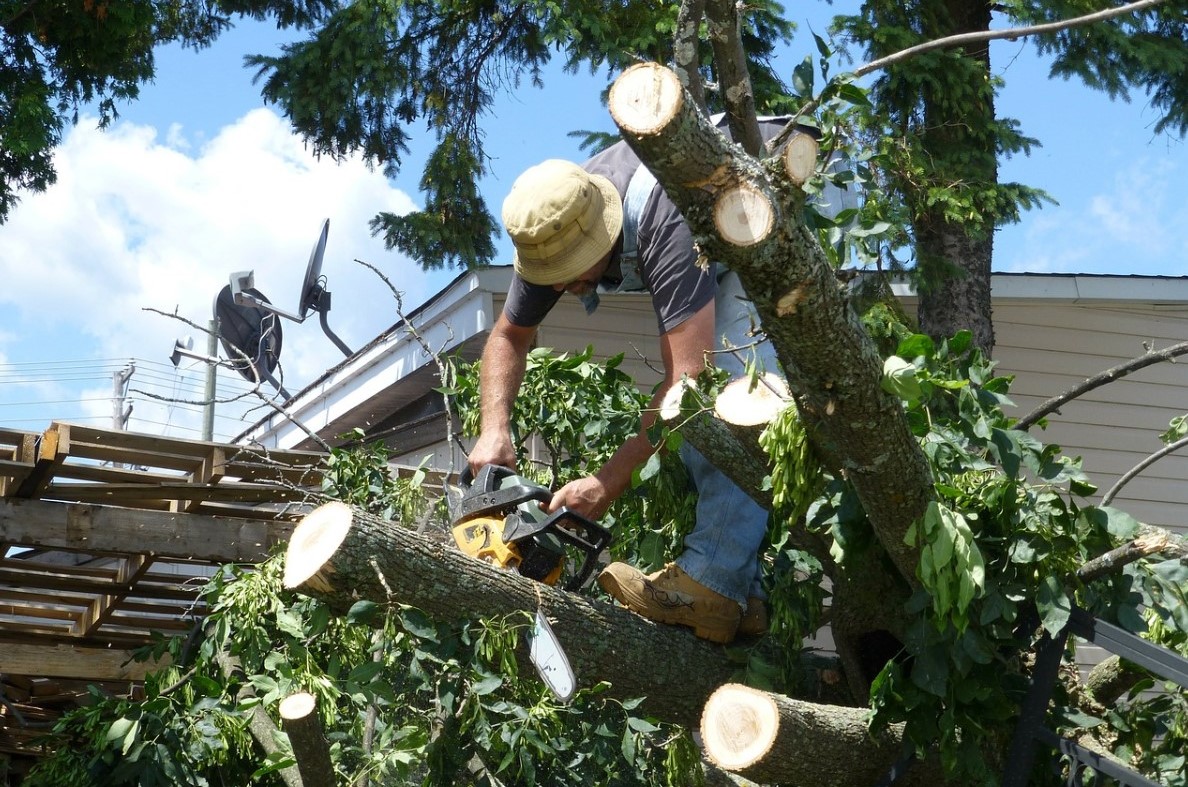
<point>588,536</point>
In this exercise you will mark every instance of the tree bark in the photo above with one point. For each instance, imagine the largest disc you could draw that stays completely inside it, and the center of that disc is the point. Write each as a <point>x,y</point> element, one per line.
<point>299,717</point>
<point>342,555</point>
<point>772,739</point>
<point>832,366</point>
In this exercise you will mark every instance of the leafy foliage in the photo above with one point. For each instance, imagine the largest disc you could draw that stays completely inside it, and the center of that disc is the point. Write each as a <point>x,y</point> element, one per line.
<point>57,57</point>
<point>446,702</point>
<point>999,547</point>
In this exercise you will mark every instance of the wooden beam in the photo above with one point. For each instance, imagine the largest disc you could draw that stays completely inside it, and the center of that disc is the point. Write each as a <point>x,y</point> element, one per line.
<point>52,449</point>
<point>102,607</point>
<point>109,530</point>
<point>68,661</point>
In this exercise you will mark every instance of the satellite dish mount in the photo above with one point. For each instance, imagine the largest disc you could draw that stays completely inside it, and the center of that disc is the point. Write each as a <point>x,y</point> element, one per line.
<point>314,295</point>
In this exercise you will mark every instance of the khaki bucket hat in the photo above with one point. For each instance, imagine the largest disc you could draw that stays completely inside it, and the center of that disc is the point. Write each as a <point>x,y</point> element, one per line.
<point>562,220</point>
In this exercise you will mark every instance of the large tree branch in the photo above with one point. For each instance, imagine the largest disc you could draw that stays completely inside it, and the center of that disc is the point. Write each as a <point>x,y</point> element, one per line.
<point>734,81</point>
<point>743,216</point>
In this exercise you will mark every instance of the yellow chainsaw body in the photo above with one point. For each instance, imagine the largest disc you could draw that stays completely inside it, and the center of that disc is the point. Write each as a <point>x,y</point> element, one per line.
<point>482,538</point>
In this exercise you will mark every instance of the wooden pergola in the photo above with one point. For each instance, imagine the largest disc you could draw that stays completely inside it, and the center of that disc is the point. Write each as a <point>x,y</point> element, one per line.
<point>106,537</point>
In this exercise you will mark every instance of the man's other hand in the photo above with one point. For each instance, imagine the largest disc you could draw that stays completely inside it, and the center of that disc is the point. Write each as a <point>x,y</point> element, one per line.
<point>586,496</point>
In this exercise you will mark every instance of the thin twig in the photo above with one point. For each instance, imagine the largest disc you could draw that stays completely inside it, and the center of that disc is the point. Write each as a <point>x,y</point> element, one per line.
<point>1011,33</point>
<point>1098,380</point>
<point>444,371</point>
<point>1140,467</point>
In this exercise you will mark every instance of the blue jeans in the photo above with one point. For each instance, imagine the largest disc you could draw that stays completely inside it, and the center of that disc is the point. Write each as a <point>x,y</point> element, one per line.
<point>722,551</point>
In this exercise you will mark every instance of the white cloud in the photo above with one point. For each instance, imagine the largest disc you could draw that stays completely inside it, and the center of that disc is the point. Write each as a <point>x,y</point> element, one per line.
<point>136,220</point>
<point>1132,226</point>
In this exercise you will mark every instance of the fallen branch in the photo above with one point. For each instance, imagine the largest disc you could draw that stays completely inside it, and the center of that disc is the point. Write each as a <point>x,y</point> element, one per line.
<point>299,717</point>
<point>1151,541</point>
<point>773,739</point>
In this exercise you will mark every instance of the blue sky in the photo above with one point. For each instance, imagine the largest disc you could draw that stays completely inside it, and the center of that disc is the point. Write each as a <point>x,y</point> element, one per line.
<point>198,179</point>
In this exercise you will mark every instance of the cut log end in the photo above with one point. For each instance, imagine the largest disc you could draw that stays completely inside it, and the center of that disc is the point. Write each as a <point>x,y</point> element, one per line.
<point>315,540</point>
<point>297,706</point>
<point>738,726</point>
<point>753,402</point>
<point>800,158</point>
<point>743,216</point>
<point>645,98</point>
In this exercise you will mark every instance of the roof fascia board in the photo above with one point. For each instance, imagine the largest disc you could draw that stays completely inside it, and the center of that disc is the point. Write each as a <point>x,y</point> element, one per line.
<point>1095,289</point>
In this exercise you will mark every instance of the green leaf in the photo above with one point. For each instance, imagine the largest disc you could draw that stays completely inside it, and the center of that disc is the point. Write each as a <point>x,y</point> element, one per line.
<point>487,685</point>
<point>366,672</point>
<point>899,378</point>
<point>930,670</point>
<point>650,467</point>
<point>915,346</point>
<point>1054,605</point>
<point>641,725</point>
<point>290,624</point>
<point>363,612</point>
<point>1119,524</point>
<point>802,77</point>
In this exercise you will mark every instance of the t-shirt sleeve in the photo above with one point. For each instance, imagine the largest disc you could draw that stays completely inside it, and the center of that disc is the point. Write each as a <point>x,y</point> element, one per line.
<point>527,304</point>
<point>668,264</point>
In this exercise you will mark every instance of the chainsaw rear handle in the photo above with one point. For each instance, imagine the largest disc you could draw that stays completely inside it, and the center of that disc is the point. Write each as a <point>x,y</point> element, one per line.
<point>588,536</point>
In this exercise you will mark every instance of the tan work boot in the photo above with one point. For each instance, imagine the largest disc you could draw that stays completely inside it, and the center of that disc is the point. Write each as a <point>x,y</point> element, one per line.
<point>672,596</point>
<point>754,618</point>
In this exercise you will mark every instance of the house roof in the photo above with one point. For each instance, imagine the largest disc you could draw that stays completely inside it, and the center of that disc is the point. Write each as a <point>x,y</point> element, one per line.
<point>395,369</point>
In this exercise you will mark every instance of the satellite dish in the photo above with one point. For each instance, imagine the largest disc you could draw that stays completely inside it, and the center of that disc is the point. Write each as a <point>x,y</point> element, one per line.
<point>250,335</point>
<point>311,287</point>
<point>314,296</point>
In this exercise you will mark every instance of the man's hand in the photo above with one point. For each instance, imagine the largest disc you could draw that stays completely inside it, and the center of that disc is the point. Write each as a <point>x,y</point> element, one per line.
<point>586,496</point>
<point>493,448</point>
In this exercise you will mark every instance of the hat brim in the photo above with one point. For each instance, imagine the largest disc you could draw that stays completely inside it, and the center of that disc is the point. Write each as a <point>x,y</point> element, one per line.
<point>595,244</point>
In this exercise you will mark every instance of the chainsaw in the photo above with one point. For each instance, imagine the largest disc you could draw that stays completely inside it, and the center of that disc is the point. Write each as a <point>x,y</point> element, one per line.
<point>498,519</point>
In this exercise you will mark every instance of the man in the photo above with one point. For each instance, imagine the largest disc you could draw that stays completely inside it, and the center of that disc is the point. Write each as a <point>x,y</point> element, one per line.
<point>607,227</point>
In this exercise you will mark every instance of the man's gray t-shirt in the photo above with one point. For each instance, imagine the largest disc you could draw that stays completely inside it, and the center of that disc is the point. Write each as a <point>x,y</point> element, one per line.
<point>667,259</point>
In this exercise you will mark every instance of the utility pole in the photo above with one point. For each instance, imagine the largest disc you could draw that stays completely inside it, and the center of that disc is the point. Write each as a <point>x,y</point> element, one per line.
<point>119,383</point>
<point>212,349</point>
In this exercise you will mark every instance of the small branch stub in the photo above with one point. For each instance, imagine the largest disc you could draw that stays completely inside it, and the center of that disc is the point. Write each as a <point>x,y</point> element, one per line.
<point>743,216</point>
<point>753,402</point>
<point>299,717</point>
<point>800,158</point>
